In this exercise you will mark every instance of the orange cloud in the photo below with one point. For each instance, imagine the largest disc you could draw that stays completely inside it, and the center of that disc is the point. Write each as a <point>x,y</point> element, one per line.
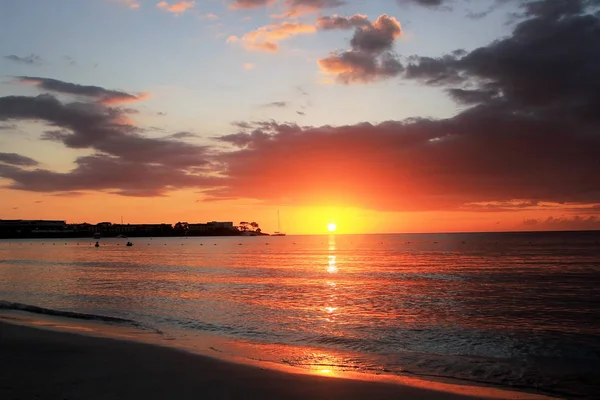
<point>127,98</point>
<point>176,8</point>
<point>131,3</point>
<point>370,57</point>
<point>266,38</point>
<point>249,65</point>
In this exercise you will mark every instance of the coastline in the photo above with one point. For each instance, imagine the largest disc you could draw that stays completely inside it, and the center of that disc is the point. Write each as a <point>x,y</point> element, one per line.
<point>67,361</point>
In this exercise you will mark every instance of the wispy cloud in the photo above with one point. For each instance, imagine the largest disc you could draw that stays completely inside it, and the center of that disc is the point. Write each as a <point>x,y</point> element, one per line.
<point>246,4</point>
<point>102,96</point>
<point>249,65</point>
<point>31,59</point>
<point>176,8</point>
<point>133,4</point>
<point>276,104</point>
<point>17,159</point>
<point>296,8</point>
<point>267,38</point>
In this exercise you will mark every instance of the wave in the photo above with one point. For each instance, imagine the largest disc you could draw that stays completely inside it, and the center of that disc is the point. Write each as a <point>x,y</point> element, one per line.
<point>7,305</point>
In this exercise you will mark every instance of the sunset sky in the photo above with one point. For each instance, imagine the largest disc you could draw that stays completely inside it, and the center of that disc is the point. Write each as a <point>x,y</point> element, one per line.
<point>379,115</point>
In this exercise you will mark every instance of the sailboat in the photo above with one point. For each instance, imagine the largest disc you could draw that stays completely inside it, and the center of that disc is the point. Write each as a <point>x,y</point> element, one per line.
<point>278,232</point>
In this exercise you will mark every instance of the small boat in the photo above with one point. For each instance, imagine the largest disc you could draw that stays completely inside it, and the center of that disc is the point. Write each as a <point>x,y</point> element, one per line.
<point>129,244</point>
<point>278,232</point>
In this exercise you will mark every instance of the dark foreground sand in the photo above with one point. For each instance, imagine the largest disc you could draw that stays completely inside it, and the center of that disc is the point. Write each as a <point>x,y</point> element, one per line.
<point>42,364</point>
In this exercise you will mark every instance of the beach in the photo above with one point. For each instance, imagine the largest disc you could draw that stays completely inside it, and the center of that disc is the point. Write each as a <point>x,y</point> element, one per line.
<point>46,364</point>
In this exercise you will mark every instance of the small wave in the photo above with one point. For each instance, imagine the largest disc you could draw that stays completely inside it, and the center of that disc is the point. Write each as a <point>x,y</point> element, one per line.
<point>7,305</point>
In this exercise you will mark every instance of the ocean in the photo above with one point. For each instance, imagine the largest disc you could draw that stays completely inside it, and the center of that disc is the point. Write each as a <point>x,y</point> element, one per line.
<point>513,310</point>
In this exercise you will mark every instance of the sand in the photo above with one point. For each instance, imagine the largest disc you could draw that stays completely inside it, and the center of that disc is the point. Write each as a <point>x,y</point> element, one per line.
<point>45,364</point>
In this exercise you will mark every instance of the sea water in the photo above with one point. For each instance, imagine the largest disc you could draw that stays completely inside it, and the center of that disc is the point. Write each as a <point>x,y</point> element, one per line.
<point>519,310</point>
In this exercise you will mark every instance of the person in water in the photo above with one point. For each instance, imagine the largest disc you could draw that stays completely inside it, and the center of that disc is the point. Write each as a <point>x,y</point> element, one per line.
<point>97,244</point>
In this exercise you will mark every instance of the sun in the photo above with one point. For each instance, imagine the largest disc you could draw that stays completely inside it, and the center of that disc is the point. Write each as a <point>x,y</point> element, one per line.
<point>332,227</point>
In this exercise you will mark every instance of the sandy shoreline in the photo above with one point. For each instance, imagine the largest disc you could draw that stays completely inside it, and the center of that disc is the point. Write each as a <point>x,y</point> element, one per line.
<point>45,364</point>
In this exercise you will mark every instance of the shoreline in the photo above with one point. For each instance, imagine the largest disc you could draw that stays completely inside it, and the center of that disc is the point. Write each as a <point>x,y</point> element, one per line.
<point>69,361</point>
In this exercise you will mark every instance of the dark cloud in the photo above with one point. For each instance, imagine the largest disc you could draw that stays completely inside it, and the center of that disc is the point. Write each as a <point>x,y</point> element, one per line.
<point>419,164</point>
<point>31,59</point>
<point>103,96</point>
<point>555,9</point>
<point>277,104</point>
<point>370,57</point>
<point>360,67</point>
<point>126,162</point>
<point>338,22</point>
<point>84,125</point>
<point>439,4</point>
<point>106,173</point>
<point>17,159</point>
<point>301,113</point>
<point>377,37</point>
<point>529,137</point>
<point>242,124</point>
<point>182,135</point>
<point>428,3</point>
<point>314,4</point>
<point>548,67</point>
<point>249,3</point>
<point>563,224</point>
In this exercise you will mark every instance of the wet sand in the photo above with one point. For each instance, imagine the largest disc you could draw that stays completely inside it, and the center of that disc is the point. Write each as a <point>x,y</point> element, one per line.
<point>45,364</point>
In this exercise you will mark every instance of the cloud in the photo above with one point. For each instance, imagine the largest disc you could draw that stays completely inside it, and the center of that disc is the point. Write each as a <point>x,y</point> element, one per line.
<point>102,96</point>
<point>182,135</point>
<point>97,127</point>
<point>416,165</point>
<point>17,159</point>
<point>133,4</point>
<point>106,173</point>
<point>176,8</point>
<point>338,22</point>
<point>277,104</point>
<point>31,59</point>
<point>563,224</point>
<point>548,66</point>
<point>370,57</point>
<point>245,4</point>
<point>425,3</point>
<point>528,136</point>
<point>296,8</point>
<point>267,38</point>
<point>360,67</point>
<point>125,162</point>
<point>249,65</point>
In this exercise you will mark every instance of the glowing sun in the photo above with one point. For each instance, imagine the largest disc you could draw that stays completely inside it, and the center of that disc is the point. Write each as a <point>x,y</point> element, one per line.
<point>332,227</point>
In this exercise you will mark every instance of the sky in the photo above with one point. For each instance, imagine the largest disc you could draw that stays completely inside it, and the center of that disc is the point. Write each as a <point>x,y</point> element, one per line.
<point>379,116</point>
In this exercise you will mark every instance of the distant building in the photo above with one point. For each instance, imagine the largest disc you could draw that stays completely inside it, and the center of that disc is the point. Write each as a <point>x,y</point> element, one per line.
<point>212,226</point>
<point>32,226</point>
